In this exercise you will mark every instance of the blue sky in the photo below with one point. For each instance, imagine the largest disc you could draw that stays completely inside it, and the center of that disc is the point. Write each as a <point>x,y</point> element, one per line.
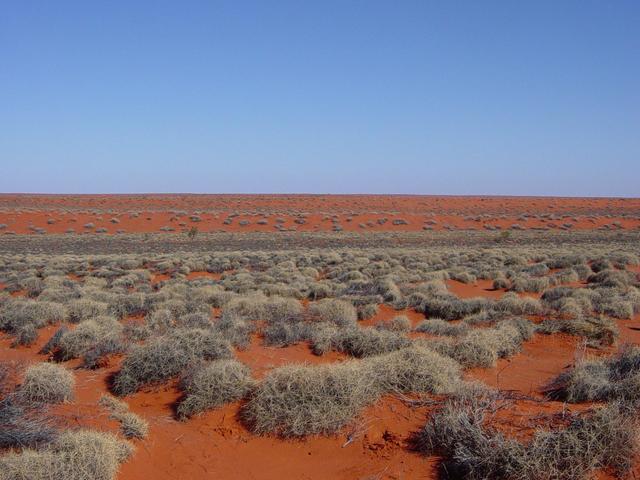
<point>465,97</point>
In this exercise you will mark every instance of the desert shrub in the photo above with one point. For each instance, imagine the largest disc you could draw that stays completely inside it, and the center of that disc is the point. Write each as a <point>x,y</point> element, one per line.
<point>54,342</point>
<point>213,385</point>
<point>437,326</point>
<point>367,310</point>
<point>25,334</point>
<point>131,425</point>
<point>413,370</point>
<point>599,331</point>
<point>74,343</point>
<point>511,303</point>
<point>279,309</point>
<point>194,320</point>
<point>501,283</point>
<point>451,307</point>
<point>47,383</point>
<point>16,314</point>
<point>618,279</point>
<point>74,455</point>
<point>214,295</point>
<point>322,336</point>
<point>282,334</point>
<point>529,284</point>
<point>123,305</point>
<point>320,290</point>
<point>615,306</point>
<point>235,329</point>
<point>83,309</point>
<point>601,264</point>
<point>166,357</point>
<point>23,423</point>
<point>464,277</point>
<point>482,347</point>
<point>135,331</point>
<point>335,311</point>
<point>566,276</point>
<point>604,439</point>
<point>486,317</point>
<point>599,380</point>
<point>400,323</point>
<point>160,320</point>
<point>556,293</point>
<point>33,286</point>
<point>95,356</point>
<point>250,307</point>
<point>389,291</point>
<point>294,401</point>
<point>583,271</point>
<point>365,342</point>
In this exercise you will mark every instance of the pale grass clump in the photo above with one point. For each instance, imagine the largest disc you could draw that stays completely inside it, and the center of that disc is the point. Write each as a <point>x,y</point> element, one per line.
<point>437,326</point>
<point>74,343</point>
<point>213,385</point>
<point>400,323</point>
<point>605,438</point>
<point>294,401</point>
<point>168,356</point>
<point>74,455</point>
<point>365,342</point>
<point>47,383</point>
<point>84,309</point>
<point>615,378</point>
<point>482,347</point>
<point>335,311</point>
<point>598,331</point>
<point>131,425</point>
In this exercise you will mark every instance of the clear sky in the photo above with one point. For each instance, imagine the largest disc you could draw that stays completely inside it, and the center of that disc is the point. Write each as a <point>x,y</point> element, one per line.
<point>449,97</point>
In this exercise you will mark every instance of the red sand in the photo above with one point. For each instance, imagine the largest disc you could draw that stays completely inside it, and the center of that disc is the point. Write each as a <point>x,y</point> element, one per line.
<point>217,444</point>
<point>28,213</point>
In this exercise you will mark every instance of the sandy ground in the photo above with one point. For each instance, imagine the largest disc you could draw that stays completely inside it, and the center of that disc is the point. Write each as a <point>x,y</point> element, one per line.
<point>111,214</point>
<point>216,444</point>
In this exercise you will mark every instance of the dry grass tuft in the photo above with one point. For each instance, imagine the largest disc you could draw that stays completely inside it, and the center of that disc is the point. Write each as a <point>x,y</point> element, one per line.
<point>79,455</point>
<point>131,425</point>
<point>47,383</point>
<point>213,385</point>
